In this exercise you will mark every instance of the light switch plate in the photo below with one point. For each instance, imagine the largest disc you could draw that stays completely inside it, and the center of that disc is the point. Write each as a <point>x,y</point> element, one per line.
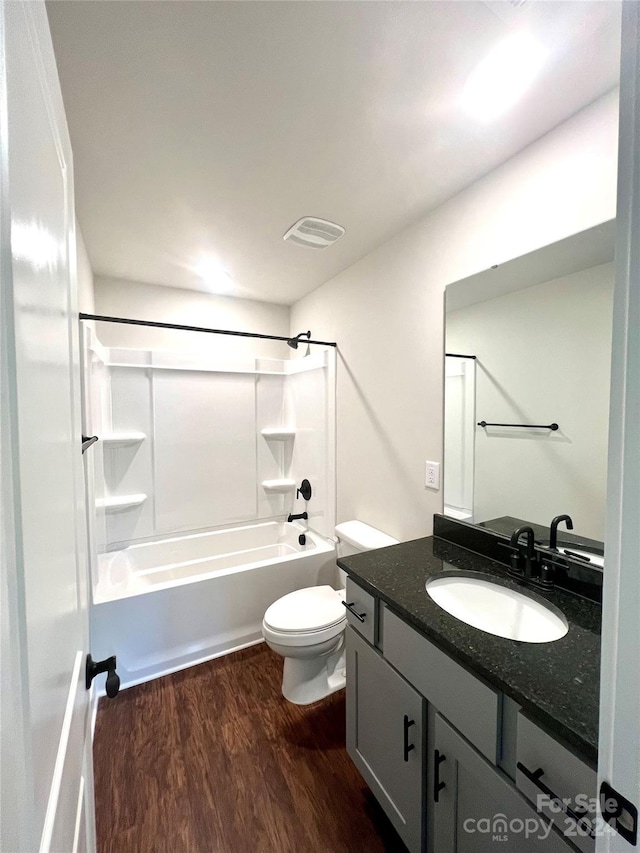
<point>432,476</point>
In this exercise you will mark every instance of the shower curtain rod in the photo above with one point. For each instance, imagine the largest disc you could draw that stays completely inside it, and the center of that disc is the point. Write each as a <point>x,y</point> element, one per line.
<point>177,326</point>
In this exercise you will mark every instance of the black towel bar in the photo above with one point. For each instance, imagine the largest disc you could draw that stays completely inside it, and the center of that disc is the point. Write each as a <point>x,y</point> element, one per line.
<point>552,427</point>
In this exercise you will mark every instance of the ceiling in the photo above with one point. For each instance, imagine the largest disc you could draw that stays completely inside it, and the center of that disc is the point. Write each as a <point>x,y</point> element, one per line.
<point>209,128</point>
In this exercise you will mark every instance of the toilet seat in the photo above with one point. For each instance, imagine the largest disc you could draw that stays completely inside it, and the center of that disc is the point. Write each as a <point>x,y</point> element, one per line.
<point>305,610</point>
<point>305,617</point>
<point>308,638</point>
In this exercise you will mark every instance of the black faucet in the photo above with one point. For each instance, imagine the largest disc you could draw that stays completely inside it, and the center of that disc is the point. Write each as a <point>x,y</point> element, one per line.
<point>550,562</point>
<point>553,530</point>
<point>531,567</point>
<point>304,515</point>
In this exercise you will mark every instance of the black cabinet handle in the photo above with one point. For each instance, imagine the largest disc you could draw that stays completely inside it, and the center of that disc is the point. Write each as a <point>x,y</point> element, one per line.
<point>408,746</point>
<point>351,608</point>
<point>438,758</point>
<point>577,816</point>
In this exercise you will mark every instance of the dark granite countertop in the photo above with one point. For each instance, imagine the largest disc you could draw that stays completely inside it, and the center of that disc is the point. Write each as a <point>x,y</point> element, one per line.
<point>556,683</point>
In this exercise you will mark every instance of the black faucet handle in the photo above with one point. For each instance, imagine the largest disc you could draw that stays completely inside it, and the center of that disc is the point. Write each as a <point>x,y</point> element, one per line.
<point>515,569</point>
<point>304,490</point>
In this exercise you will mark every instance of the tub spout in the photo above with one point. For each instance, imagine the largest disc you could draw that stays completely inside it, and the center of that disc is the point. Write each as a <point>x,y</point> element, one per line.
<point>304,515</point>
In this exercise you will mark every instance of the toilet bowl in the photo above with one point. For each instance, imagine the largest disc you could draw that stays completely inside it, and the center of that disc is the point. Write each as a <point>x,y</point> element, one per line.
<point>306,627</point>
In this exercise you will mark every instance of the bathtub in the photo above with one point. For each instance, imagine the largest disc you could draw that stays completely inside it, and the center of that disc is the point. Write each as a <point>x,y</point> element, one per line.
<point>165,605</point>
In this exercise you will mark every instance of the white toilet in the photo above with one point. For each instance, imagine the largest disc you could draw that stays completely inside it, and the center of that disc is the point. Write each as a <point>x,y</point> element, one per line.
<point>307,626</point>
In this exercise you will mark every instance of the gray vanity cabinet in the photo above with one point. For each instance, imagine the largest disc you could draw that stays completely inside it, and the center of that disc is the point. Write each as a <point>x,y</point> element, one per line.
<point>476,808</point>
<point>433,742</point>
<point>385,737</point>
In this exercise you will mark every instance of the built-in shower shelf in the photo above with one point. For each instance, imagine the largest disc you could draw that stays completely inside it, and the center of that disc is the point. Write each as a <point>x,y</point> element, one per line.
<point>121,439</point>
<point>278,433</point>
<point>120,503</point>
<point>283,485</point>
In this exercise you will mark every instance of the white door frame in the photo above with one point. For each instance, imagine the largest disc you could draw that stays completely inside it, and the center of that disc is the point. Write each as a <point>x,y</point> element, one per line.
<point>619,743</point>
<point>46,780</point>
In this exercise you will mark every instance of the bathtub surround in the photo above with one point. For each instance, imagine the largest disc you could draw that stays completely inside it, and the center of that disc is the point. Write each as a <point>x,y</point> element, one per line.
<point>198,440</point>
<point>190,486</point>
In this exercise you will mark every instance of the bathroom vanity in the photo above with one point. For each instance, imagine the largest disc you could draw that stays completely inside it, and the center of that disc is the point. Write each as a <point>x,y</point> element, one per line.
<point>469,741</point>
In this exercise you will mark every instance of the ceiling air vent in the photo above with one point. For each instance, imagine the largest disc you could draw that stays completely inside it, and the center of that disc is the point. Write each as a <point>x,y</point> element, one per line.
<point>314,233</point>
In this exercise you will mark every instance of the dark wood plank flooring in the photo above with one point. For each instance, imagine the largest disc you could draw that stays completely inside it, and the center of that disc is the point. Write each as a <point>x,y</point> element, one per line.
<point>213,760</point>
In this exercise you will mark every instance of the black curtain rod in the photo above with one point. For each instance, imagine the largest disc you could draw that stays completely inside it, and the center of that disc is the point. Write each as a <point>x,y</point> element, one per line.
<point>180,328</point>
<point>457,355</point>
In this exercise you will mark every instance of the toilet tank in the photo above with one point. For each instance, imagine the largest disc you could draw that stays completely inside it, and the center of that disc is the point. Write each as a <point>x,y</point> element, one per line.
<point>356,536</point>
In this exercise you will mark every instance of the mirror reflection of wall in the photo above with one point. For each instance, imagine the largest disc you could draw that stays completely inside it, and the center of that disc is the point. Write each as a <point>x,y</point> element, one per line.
<point>459,435</point>
<point>540,328</point>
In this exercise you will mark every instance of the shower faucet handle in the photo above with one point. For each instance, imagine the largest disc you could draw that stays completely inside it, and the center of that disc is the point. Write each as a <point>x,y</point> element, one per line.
<point>304,490</point>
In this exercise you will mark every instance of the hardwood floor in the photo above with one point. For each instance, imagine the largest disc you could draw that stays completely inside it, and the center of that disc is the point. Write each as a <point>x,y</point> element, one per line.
<point>213,760</point>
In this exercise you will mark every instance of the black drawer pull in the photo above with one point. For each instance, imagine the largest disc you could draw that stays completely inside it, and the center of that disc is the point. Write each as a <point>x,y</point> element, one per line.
<point>577,816</point>
<point>438,758</point>
<point>408,746</point>
<point>351,608</point>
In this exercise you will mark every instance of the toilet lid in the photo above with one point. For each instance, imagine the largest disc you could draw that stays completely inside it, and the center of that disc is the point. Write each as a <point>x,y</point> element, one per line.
<point>309,609</point>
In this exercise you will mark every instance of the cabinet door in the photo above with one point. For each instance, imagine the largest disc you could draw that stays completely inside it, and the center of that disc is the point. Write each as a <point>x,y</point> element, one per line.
<point>561,776</point>
<point>385,725</point>
<point>476,808</point>
<point>361,613</point>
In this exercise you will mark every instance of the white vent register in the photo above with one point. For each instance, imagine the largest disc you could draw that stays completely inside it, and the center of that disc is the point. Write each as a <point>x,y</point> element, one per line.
<point>314,233</point>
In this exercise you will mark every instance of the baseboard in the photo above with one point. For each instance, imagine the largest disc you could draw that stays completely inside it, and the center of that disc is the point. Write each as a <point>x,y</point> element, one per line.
<point>93,704</point>
<point>179,667</point>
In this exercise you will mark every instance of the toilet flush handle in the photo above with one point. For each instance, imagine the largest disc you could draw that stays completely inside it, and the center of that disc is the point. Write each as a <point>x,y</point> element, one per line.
<point>351,608</point>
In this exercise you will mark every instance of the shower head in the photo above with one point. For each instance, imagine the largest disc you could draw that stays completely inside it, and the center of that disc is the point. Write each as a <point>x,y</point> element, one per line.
<point>293,342</point>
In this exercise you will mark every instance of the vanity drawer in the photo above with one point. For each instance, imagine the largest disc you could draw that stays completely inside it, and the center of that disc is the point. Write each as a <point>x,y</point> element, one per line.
<point>558,772</point>
<point>364,605</point>
<point>468,703</point>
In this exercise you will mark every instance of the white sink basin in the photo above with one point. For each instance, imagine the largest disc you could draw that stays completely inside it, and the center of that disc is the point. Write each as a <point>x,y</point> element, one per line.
<point>497,609</point>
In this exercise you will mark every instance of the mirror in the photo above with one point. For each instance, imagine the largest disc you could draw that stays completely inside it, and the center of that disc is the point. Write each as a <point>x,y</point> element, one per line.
<point>528,353</point>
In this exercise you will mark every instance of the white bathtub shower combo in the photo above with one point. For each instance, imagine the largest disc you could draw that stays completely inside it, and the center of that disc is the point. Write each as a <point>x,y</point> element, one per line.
<point>190,487</point>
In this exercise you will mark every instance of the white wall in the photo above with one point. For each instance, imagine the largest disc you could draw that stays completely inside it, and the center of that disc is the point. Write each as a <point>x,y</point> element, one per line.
<point>386,311</point>
<point>86,299</point>
<point>543,355</point>
<point>139,301</point>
